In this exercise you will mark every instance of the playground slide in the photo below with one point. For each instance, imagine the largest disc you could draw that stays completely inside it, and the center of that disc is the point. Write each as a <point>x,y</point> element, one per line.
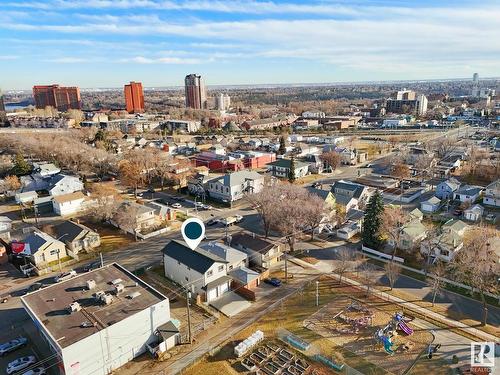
<point>405,328</point>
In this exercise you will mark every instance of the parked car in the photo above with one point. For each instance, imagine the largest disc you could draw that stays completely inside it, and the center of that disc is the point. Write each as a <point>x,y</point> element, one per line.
<point>207,207</point>
<point>20,364</point>
<point>238,218</point>
<point>36,371</point>
<point>273,281</point>
<point>212,222</point>
<point>492,218</point>
<point>13,345</point>
<point>198,204</point>
<point>177,205</point>
<point>458,212</point>
<point>34,287</point>
<point>92,266</point>
<point>65,276</point>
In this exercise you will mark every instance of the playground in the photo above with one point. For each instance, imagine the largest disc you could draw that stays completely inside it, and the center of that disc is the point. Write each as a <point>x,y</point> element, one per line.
<point>389,341</point>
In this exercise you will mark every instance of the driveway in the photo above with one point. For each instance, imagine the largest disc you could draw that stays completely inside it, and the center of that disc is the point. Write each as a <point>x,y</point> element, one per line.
<point>231,304</point>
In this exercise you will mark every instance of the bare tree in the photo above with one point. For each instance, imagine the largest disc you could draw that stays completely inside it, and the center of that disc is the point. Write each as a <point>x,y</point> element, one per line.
<point>126,218</point>
<point>332,159</point>
<point>438,271</point>
<point>315,212</point>
<point>10,183</point>
<point>132,171</point>
<point>393,221</point>
<point>342,262</point>
<point>369,275</point>
<point>400,171</point>
<point>392,271</point>
<point>477,264</point>
<point>265,203</point>
<point>107,201</point>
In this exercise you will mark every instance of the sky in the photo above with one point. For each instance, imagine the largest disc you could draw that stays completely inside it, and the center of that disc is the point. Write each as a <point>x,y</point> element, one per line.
<point>106,43</point>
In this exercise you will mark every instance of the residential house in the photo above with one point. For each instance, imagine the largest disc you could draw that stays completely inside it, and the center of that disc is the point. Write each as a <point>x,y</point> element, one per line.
<point>44,249</point>
<point>325,195</point>
<point>235,258</point>
<point>63,184</point>
<point>234,186</point>
<point>261,252</point>
<point>162,211</point>
<point>447,189</point>
<point>468,193</point>
<point>316,165</point>
<point>447,244</point>
<point>415,153</point>
<point>474,213</point>
<point>431,205</point>
<point>133,217</point>
<point>350,194</point>
<point>411,235</point>
<point>492,194</point>
<point>198,184</point>
<point>348,230</point>
<point>198,270</point>
<point>281,168</point>
<point>68,204</point>
<point>76,236</point>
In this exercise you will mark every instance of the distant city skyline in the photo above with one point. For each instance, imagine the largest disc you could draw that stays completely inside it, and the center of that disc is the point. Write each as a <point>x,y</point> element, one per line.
<point>100,43</point>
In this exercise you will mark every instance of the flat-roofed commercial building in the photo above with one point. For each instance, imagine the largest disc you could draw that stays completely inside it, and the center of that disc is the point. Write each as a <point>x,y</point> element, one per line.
<point>59,97</point>
<point>134,97</point>
<point>98,321</point>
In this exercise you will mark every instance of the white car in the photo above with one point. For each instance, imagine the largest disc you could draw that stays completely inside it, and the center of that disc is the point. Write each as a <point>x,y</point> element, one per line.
<point>238,218</point>
<point>177,205</point>
<point>207,207</point>
<point>13,345</point>
<point>65,276</point>
<point>36,371</point>
<point>198,204</point>
<point>20,364</point>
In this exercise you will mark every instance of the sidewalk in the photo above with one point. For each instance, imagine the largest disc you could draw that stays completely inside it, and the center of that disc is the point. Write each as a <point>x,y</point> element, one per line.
<point>411,306</point>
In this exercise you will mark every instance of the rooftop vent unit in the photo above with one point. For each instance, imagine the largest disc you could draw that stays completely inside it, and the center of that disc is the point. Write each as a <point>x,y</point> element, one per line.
<point>91,284</point>
<point>107,299</point>
<point>116,281</point>
<point>86,325</point>
<point>74,307</point>
<point>119,288</point>
<point>98,295</point>
<point>134,295</point>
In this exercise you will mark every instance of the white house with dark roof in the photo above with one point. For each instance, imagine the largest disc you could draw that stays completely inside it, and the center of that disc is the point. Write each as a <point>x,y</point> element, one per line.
<point>261,252</point>
<point>468,193</point>
<point>200,271</point>
<point>234,186</point>
<point>281,168</point>
<point>68,204</point>
<point>492,194</point>
<point>431,205</point>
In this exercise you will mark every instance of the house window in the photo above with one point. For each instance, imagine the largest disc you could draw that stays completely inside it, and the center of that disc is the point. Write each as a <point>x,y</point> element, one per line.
<point>230,268</point>
<point>221,268</point>
<point>210,273</point>
<point>54,252</point>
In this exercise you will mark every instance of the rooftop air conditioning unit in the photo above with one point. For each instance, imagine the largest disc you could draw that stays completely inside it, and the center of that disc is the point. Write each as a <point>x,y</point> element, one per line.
<point>91,284</point>
<point>119,288</point>
<point>116,281</point>
<point>98,295</point>
<point>107,299</point>
<point>73,307</point>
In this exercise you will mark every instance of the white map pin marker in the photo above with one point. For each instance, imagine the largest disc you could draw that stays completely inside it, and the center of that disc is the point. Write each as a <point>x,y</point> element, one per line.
<point>193,231</point>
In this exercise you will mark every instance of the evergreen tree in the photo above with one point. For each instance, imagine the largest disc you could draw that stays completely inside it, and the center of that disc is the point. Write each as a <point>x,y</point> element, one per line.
<point>21,166</point>
<point>291,174</point>
<point>373,220</point>
<point>282,149</point>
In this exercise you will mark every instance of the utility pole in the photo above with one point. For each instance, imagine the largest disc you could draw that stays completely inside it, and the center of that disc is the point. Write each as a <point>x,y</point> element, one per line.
<point>188,296</point>
<point>102,260</point>
<point>317,292</point>
<point>286,265</point>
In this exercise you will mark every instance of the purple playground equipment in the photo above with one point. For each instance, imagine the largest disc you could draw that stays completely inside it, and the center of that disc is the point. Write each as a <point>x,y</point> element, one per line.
<point>399,322</point>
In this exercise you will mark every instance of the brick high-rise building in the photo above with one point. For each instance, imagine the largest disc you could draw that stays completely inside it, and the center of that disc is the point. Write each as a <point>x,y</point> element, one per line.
<point>61,98</point>
<point>134,97</point>
<point>196,96</point>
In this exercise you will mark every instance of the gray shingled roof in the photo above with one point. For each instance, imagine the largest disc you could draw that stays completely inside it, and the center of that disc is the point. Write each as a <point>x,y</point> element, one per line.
<point>198,259</point>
